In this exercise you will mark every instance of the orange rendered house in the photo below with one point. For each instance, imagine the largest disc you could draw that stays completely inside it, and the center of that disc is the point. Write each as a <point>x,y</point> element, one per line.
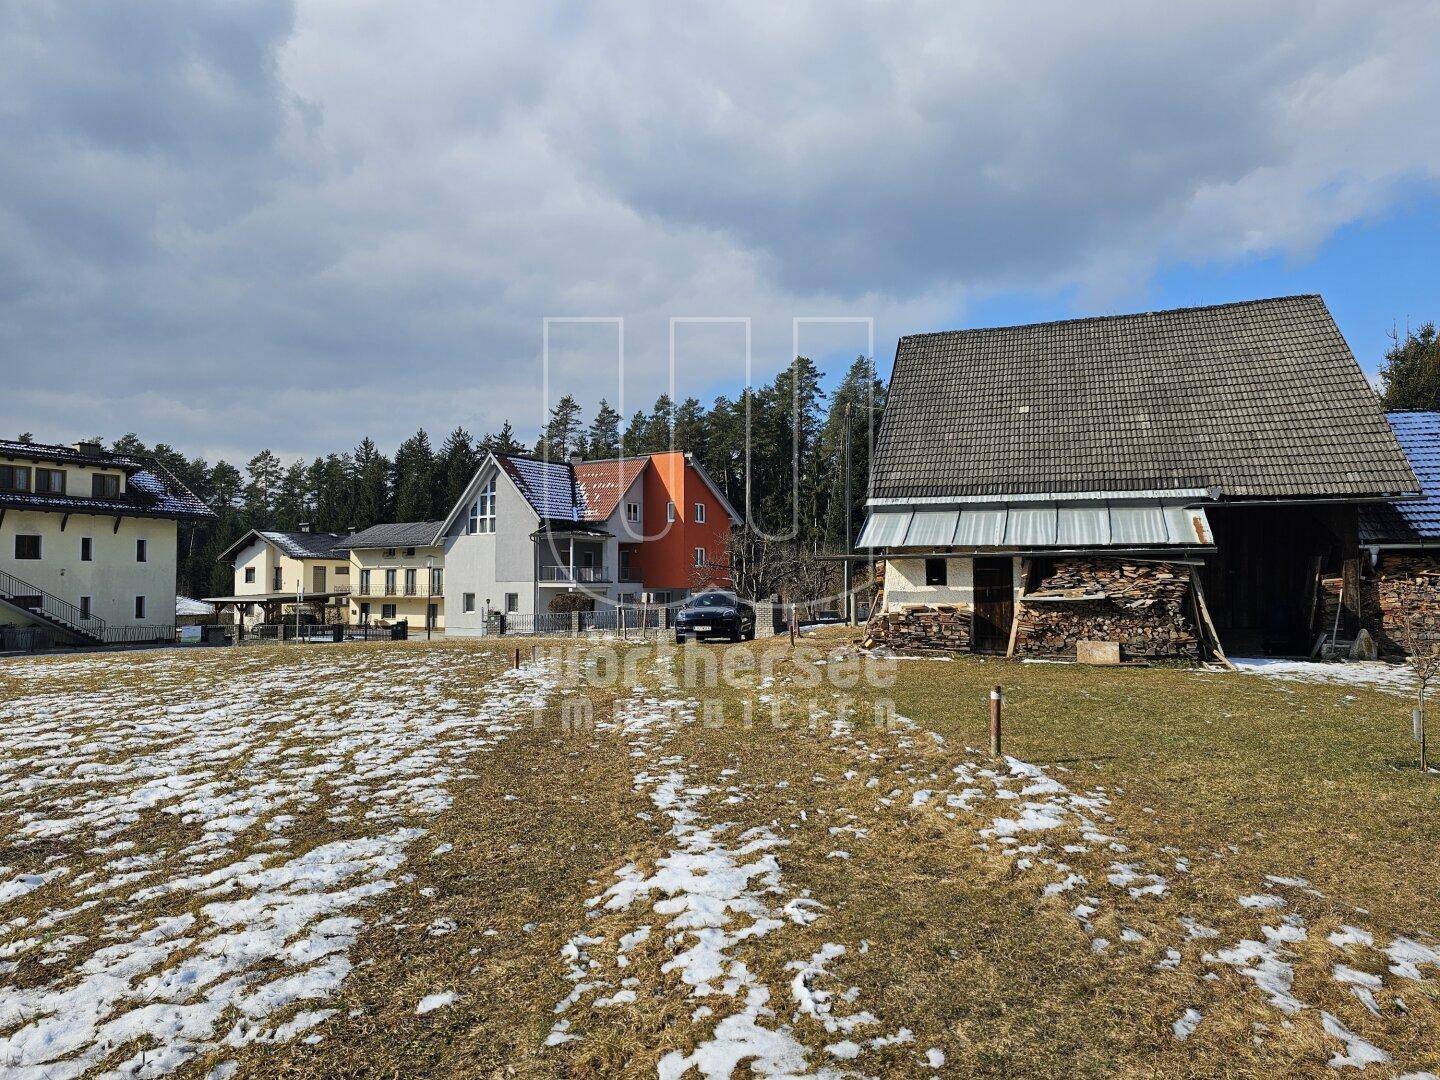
<point>684,545</point>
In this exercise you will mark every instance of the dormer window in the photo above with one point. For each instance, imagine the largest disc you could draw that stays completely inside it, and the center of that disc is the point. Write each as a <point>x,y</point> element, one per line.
<point>105,486</point>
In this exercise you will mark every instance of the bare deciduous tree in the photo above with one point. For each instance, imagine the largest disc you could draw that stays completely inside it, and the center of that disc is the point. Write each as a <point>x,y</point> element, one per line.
<point>1422,641</point>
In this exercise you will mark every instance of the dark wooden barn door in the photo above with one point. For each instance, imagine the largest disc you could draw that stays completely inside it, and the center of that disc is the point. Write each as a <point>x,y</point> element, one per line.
<point>994,605</point>
<point>1259,583</point>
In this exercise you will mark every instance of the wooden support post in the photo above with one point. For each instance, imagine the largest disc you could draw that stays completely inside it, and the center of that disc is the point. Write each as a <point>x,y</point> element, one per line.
<point>1198,592</point>
<point>996,697</point>
<point>794,624</point>
<point>1351,599</point>
<point>517,656</point>
<point>1016,605</point>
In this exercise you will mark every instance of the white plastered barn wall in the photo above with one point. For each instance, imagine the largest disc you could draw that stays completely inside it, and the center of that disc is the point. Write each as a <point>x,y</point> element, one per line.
<point>905,582</point>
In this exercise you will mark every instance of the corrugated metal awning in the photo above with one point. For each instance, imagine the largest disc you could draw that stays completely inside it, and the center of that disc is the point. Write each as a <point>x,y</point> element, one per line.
<point>1124,525</point>
<point>885,530</point>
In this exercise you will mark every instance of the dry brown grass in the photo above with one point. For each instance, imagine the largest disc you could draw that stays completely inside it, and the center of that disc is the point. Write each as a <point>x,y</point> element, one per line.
<point>1242,776</point>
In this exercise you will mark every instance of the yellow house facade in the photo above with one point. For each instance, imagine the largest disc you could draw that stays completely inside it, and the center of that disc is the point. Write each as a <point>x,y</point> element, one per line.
<point>275,569</point>
<point>398,574</point>
<point>88,542</point>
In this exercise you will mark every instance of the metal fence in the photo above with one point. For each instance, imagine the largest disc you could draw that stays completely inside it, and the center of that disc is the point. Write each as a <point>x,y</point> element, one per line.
<point>138,635</point>
<point>25,639</point>
<point>623,619</point>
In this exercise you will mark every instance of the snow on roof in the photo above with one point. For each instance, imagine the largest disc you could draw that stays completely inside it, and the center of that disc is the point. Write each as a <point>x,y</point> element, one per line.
<point>548,486</point>
<point>307,545</point>
<point>184,605</point>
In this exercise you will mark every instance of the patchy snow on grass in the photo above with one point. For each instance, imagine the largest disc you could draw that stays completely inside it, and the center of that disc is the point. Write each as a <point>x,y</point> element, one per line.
<point>714,895</point>
<point>430,1002</point>
<point>254,810</point>
<point>1387,678</point>
<point>1020,811</point>
<point>1186,1025</point>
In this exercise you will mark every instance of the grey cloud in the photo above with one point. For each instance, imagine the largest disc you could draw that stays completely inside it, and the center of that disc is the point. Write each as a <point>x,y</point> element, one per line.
<point>241,225</point>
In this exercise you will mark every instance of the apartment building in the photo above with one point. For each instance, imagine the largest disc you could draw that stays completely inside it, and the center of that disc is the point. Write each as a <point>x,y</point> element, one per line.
<point>88,542</point>
<point>398,574</point>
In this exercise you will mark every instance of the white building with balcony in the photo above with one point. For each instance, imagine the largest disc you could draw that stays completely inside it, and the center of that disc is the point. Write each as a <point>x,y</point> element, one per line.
<point>88,543</point>
<point>526,530</point>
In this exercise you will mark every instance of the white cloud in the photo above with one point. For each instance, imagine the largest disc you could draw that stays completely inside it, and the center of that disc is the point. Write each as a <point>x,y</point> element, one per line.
<point>298,226</point>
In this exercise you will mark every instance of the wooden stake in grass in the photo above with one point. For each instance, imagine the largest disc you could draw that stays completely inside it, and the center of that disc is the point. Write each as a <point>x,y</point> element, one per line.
<point>517,656</point>
<point>995,699</point>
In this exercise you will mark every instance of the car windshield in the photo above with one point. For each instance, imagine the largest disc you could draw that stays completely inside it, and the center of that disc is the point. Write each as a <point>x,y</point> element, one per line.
<point>712,599</point>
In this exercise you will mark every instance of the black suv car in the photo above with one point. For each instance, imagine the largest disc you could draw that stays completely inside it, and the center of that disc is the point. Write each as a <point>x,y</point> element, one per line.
<point>715,614</point>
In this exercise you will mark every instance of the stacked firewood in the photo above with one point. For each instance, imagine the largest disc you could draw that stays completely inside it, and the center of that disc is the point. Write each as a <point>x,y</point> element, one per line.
<point>1145,607</point>
<point>1401,600</point>
<point>921,626</point>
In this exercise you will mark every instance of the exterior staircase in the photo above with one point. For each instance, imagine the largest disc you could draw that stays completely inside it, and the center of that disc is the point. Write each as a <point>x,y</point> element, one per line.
<point>50,610</point>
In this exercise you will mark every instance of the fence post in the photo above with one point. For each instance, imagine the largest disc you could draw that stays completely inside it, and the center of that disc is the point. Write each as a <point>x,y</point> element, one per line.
<point>574,624</point>
<point>996,697</point>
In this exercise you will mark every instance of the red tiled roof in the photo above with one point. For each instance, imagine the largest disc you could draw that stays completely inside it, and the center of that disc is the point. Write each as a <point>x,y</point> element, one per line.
<point>604,482</point>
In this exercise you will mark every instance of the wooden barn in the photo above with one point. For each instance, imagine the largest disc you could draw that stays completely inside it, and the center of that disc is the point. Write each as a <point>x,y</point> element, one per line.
<point>1158,485</point>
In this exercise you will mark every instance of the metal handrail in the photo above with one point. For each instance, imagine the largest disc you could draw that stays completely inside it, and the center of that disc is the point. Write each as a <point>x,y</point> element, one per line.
<point>60,610</point>
<point>364,591</point>
<point>574,573</point>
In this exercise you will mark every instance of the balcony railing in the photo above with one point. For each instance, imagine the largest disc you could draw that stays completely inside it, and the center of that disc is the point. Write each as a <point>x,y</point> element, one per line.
<point>398,589</point>
<point>574,575</point>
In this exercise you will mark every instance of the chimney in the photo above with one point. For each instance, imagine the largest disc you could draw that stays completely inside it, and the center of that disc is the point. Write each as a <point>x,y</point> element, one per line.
<point>576,457</point>
<point>90,449</point>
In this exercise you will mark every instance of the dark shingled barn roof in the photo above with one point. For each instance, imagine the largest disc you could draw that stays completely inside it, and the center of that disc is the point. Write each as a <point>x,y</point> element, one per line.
<point>1261,399</point>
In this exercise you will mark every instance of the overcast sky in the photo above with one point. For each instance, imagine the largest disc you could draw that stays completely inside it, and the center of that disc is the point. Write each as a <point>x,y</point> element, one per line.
<point>236,225</point>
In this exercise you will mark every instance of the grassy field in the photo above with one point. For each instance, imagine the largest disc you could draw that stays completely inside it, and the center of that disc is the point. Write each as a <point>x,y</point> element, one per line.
<point>387,860</point>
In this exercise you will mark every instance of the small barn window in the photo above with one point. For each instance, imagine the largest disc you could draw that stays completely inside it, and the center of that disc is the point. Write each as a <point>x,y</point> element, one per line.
<point>935,573</point>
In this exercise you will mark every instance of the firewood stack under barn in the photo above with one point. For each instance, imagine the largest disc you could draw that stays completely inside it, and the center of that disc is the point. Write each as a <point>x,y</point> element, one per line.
<point>1144,606</point>
<point>921,626</point>
<point>1400,597</point>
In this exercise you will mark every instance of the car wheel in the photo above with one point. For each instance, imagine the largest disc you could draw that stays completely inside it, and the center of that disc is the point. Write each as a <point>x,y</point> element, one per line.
<point>737,634</point>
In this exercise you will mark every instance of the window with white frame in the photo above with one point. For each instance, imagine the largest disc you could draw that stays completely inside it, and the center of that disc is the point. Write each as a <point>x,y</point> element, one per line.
<point>700,513</point>
<point>669,511</point>
<point>469,602</point>
<point>632,512</point>
<point>699,556</point>
<point>485,508</point>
